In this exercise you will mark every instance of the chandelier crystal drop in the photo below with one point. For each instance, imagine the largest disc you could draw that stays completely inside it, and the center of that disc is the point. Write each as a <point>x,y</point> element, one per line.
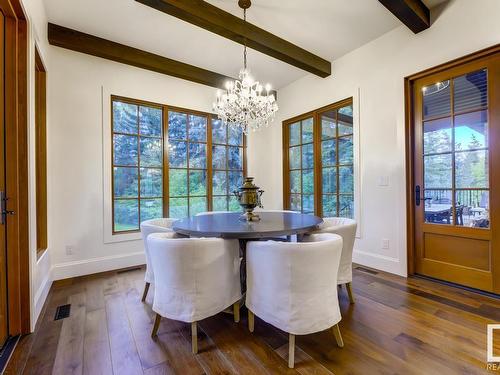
<point>245,103</point>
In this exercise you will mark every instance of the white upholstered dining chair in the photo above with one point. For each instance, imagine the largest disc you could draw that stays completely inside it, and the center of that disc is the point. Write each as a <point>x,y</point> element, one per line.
<point>346,228</point>
<point>292,285</point>
<point>148,227</point>
<point>195,278</point>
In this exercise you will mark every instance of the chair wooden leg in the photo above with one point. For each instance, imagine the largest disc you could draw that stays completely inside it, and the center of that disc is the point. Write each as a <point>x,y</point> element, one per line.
<point>349,292</point>
<point>145,293</point>
<point>194,338</point>
<point>251,321</point>
<point>338,336</point>
<point>156,326</point>
<point>236,311</point>
<point>291,351</point>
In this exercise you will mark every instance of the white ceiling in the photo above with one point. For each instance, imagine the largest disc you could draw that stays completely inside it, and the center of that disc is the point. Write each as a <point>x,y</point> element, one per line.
<point>328,28</point>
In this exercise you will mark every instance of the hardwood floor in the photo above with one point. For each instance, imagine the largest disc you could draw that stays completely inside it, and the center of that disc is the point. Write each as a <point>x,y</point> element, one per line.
<point>397,326</point>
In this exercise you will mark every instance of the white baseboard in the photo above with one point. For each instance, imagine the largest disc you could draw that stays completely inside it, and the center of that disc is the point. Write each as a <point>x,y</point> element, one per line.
<point>40,297</point>
<point>379,262</point>
<point>89,266</point>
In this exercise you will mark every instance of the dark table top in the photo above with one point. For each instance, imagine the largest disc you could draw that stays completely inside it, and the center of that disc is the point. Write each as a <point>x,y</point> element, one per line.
<point>228,225</point>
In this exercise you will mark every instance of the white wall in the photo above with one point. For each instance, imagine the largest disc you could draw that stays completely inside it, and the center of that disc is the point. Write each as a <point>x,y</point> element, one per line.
<point>79,149</point>
<point>378,70</point>
<point>40,269</point>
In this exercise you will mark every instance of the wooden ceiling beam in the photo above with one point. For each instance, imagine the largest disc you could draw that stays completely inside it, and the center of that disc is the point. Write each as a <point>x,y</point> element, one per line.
<point>413,13</point>
<point>218,21</point>
<point>92,45</point>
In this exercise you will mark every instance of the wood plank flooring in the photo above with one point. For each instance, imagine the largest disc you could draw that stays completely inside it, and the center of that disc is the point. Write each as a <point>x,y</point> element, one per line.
<point>397,326</point>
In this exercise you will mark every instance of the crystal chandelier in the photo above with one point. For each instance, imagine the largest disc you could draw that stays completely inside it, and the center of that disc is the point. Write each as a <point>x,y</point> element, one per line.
<point>245,103</point>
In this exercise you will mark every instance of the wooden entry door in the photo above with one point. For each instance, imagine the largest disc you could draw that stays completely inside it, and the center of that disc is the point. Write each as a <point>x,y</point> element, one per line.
<point>456,164</point>
<point>4,328</point>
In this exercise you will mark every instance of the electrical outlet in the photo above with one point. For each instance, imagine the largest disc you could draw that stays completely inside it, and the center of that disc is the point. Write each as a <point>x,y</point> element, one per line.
<point>70,250</point>
<point>385,244</point>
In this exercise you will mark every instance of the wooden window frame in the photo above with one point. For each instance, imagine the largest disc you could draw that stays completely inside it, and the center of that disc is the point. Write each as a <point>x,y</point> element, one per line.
<point>165,167</point>
<point>41,153</point>
<point>318,193</point>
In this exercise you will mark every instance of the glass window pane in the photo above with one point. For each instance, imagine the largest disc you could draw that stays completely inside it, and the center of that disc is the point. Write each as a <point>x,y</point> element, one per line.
<point>437,136</point>
<point>234,205</point>
<point>328,152</point>
<point>219,158</point>
<point>471,131</point>
<point>308,156</point>
<point>344,120</point>
<point>345,150</point>
<point>197,205</point>
<point>197,182</point>
<point>307,130</point>
<point>126,182</point>
<point>295,202</point>
<point>235,181</point>
<point>308,181</point>
<point>151,182</point>
<point>294,134</point>
<point>178,208</point>
<point>235,136</point>
<point>329,205</point>
<point>471,169</point>
<point>329,178</point>
<point>124,118</point>
<point>437,99</point>
<point>218,132</point>
<point>151,152</point>
<point>308,204</point>
<point>150,121</point>
<point>294,157</point>
<point>151,209</point>
<point>126,214</point>
<point>346,206</point>
<point>346,180</point>
<point>220,203</point>
<point>470,91</point>
<point>437,206</point>
<point>235,158</point>
<point>125,150</point>
<point>219,183</point>
<point>177,154</point>
<point>197,128</point>
<point>197,155</point>
<point>295,185</point>
<point>177,182</point>
<point>437,171</point>
<point>177,125</point>
<point>473,208</point>
<point>328,125</point>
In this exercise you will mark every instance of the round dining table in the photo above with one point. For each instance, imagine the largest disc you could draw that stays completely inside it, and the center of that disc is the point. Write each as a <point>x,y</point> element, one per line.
<point>272,225</point>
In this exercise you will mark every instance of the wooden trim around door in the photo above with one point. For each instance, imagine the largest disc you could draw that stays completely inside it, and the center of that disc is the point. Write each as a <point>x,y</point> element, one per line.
<point>16,148</point>
<point>410,139</point>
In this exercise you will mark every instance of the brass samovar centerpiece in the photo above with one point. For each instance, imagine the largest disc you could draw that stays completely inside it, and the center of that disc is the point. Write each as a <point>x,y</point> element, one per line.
<point>249,197</point>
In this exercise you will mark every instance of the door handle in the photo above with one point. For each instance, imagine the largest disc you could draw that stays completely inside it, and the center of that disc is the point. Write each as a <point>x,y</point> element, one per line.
<point>3,208</point>
<point>418,198</point>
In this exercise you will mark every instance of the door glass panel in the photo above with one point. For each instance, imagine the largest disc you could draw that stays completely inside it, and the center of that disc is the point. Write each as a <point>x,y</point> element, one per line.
<point>295,134</point>
<point>438,206</point>
<point>307,130</point>
<point>329,205</point>
<point>471,169</point>
<point>328,125</point>
<point>437,100</point>
<point>345,150</point>
<point>473,208</point>
<point>345,120</point>
<point>295,202</point>
<point>294,157</point>
<point>437,136</point>
<point>308,204</point>
<point>328,153</point>
<point>438,171</point>
<point>329,180</point>
<point>471,131</point>
<point>346,205</point>
<point>307,156</point>
<point>295,185</point>
<point>308,181</point>
<point>470,91</point>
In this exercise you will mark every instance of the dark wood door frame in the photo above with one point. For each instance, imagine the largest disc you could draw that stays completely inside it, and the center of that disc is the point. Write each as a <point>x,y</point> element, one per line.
<point>410,141</point>
<point>16,150</point>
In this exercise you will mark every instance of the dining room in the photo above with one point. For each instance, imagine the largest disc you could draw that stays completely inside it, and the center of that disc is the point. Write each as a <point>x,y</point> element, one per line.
<point>250,187</point>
